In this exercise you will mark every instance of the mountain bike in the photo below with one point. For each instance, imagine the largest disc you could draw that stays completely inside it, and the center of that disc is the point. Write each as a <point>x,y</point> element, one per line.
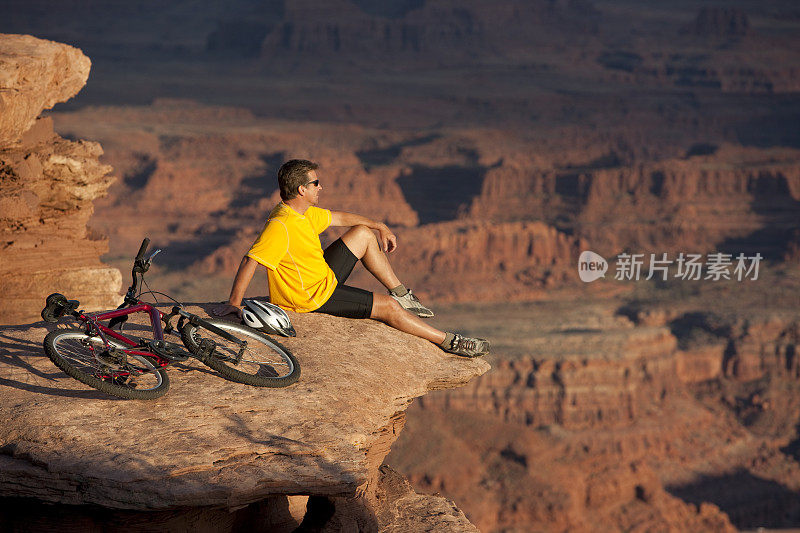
<point>106,358</point>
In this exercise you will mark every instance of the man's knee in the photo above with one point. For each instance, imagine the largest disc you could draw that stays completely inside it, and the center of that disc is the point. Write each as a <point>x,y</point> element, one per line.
<point>384,307</point>
<point>363,233</point>
<point>358,238</point>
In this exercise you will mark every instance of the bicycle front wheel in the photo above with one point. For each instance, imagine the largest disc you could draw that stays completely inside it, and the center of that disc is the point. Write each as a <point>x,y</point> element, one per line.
<point>85,358</point>
<point>264,363</point>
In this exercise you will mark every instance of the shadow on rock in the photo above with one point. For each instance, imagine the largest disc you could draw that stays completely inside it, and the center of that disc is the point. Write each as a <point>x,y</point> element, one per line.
<point>750,501</point>
<point>19,352</point>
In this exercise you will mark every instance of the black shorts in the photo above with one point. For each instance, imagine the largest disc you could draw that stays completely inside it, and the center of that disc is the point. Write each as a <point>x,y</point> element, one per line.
<point>346,301</point>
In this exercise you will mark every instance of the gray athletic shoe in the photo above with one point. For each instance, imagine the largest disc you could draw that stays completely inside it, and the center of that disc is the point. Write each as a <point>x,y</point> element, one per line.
<point>468,346</point>
<point>411,303</point>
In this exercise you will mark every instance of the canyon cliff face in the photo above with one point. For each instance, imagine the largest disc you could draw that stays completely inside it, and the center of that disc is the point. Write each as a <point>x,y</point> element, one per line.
<point>414,33</point>
<point>48,185</point>
<point>224,162</point>
<point>501,214</point>
<point>610,130</point>
<point>611,424</point>
<point>299,35</point>
<point>697,202</point>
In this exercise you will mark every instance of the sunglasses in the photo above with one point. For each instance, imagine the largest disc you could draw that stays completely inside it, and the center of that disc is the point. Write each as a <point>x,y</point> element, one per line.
<point>315,183</point>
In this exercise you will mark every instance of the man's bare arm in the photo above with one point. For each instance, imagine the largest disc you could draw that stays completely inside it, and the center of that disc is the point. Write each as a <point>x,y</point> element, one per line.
<point>240,283</point>
<point>387,239</point>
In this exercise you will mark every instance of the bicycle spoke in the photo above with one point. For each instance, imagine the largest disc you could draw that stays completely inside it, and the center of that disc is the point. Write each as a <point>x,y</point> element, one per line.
<point>263,362</point>
<point>83,353</point>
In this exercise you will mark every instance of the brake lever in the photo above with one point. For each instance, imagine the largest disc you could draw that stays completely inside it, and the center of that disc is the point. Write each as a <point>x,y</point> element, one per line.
<point>150,259</point>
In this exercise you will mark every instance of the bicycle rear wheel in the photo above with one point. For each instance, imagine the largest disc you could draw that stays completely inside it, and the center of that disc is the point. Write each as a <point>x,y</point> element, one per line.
<point>85,358</point>
<point>264,363</point>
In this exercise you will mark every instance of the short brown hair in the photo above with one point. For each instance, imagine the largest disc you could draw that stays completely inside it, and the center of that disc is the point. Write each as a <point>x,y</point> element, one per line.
<point>292,175</point>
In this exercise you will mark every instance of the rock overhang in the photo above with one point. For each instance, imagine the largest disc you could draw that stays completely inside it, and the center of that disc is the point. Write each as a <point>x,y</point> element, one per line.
<point>209,441</point>
<point>35,74</point>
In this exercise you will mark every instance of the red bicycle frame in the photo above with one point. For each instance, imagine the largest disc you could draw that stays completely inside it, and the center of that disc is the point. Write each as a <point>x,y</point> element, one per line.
<point>155,321</point>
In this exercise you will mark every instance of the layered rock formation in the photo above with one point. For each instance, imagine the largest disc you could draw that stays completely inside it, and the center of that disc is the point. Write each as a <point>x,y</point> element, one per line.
<point>425,33</point>
<point>502,214</point>
<point>35,75</point>
<point>602,423</point>
<point>694,203</point>
<point>188,455</point>
<point>48,184</point>
<point>721,23</point>
<point>745,49</point>
<point>484,261</point>
<point>226,161</point>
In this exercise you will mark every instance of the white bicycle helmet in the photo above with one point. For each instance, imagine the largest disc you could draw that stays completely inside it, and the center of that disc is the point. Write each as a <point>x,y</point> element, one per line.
<point>267,317</point>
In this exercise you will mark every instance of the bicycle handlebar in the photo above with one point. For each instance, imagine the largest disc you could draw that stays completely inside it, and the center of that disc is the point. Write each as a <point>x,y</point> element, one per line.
<point>143,249</point>
<point>139,266</point>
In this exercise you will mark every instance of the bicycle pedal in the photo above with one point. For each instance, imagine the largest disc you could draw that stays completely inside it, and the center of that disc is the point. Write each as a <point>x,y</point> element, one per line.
<point>168,350</point>
<point>207,347</point>
<point>112,356</point>
<point>122,381</point>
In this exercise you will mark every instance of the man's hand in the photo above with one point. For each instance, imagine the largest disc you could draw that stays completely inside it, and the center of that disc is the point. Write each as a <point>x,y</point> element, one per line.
<point>388,239</point>
<point>225,308</point>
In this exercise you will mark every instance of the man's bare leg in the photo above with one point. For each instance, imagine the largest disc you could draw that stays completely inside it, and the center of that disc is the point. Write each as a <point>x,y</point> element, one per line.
<point>386,309</point>
<point>362,242</point>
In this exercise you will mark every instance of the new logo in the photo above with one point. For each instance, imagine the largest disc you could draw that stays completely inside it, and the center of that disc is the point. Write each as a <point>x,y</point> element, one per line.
<point>591,266</point>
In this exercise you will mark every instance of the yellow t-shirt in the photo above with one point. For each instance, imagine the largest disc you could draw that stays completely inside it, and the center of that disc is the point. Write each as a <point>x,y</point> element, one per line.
<point>299,278</point>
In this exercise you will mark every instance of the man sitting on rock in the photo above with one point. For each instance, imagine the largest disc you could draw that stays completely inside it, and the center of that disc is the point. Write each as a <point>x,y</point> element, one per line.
<point>303,278</point>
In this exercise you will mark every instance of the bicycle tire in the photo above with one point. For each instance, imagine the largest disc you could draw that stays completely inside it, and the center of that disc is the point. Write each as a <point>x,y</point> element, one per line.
<point>257,367</point>
<point>73,351</point>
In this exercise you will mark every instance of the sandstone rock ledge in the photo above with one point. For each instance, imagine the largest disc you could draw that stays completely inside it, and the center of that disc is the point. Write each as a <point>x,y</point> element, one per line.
<point>212,446</point>
<point>47,185</point>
